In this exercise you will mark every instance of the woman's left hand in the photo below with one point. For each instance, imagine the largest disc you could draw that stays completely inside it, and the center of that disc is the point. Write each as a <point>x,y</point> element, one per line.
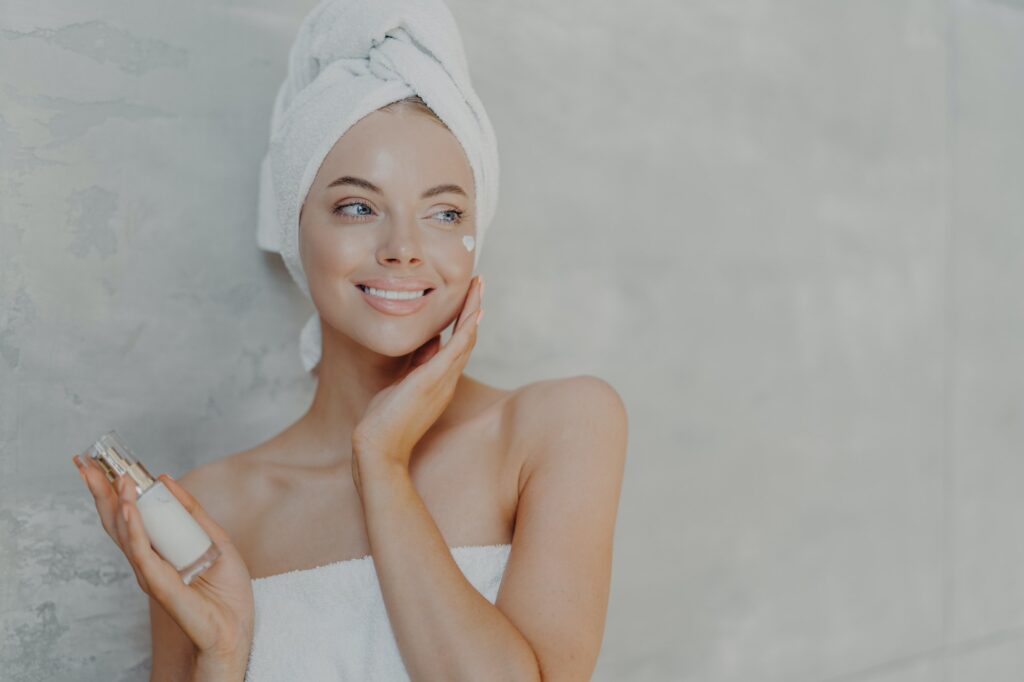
<point>398,416</point>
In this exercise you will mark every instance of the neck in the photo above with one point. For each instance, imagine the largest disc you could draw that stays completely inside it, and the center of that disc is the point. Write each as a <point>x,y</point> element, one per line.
<point>349,375</point>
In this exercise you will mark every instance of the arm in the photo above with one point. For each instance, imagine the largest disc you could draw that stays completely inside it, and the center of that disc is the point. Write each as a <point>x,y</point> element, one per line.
<point>445,629</point>
<point>548,620</point>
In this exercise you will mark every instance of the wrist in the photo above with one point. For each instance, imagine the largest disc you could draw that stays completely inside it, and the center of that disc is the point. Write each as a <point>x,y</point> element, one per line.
<point>376,469</point>
<point>219,667</point>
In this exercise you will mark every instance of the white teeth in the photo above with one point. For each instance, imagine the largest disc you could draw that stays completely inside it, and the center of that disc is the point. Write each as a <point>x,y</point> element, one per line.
<point>387,293</point>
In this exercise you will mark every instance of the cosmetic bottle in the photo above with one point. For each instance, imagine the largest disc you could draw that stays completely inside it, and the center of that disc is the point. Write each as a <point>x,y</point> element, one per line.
<point>172,530</point>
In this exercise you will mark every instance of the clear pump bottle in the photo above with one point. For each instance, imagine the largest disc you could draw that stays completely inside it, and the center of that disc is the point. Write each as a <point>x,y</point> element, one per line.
<point>172,531</point>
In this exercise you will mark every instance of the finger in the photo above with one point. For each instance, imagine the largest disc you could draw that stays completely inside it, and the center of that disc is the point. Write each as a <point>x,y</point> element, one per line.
<point>133,550</point>
<point>464,335</point>
<point>467,318</point>
<point>81,471</point>
<point>121,485</point>
<point>464,349</point>
<point>447,351</point>
<point>463,339</point>
<point>472,303</point>
<point>449,362</point>
<point>155,575</point>
<point>103,493</point>
<point>465,304</point>
<point>125,489</point>
<point>192,506</point>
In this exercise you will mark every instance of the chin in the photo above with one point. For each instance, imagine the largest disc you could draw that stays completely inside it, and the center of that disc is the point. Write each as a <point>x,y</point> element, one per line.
<point>395,347</point>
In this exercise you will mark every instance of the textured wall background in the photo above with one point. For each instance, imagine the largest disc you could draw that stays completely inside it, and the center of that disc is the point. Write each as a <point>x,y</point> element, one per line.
<point>789,232</point>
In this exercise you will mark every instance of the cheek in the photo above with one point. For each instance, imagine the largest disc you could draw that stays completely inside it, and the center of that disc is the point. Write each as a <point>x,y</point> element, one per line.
<point>448,254</point>
<point>327,253</point>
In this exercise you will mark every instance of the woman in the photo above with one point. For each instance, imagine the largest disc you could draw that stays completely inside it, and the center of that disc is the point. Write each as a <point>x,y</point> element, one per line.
<point>404,471</point>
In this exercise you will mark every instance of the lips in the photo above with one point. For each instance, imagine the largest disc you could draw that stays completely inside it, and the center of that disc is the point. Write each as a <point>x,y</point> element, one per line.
<point>397,283</point>
<point>391,306</point>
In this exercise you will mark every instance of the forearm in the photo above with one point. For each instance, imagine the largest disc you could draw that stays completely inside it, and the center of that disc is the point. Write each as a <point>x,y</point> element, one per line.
<point>444,627</point>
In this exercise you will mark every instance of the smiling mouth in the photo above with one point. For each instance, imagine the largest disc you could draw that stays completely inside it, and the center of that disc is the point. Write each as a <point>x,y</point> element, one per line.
<point>393,294</point>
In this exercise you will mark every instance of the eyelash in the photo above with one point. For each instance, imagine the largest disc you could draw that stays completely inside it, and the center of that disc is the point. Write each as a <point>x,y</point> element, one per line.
<point>337,211</point>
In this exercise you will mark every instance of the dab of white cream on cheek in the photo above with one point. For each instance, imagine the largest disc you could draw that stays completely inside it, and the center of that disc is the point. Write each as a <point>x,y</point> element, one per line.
<point>468,242</point>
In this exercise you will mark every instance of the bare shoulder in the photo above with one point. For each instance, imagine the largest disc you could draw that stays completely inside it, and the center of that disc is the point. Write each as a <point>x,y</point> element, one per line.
<point>221,485</point>
<point>544,408</point>
<point>545,414</point>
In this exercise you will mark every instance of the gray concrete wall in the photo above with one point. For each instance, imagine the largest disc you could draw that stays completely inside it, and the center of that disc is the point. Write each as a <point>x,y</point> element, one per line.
<point>790,233</point>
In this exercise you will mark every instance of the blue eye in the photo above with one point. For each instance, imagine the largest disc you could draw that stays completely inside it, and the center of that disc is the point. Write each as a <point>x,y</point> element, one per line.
<point>338,210</point>
<point>456,219</point>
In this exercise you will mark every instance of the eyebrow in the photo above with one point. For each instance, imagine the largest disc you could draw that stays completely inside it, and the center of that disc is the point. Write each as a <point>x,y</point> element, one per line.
<point>366,184</point>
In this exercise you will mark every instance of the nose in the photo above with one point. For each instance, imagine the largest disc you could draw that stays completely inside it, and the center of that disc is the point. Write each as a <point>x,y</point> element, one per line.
<point>400,243</point>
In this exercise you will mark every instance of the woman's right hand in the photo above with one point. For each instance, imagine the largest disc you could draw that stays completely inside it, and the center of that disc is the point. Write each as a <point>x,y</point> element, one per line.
<point>216,610</point>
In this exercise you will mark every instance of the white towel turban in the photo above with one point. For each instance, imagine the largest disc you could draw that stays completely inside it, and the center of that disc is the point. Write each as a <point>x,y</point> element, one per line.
<point>350,58</point>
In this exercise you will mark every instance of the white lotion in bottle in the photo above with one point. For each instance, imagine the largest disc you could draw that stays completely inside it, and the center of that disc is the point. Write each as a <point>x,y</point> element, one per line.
<point>172,531</point>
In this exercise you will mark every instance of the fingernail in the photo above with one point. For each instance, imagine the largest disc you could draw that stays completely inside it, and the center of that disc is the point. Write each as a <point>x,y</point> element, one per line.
<point>77,461</point>
<point>480,316</point>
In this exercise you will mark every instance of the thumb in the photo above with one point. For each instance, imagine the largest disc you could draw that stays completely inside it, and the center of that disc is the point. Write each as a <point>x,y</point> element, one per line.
<point>192,506</point>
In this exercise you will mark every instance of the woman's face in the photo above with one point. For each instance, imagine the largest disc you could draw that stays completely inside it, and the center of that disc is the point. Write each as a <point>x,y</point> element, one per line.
<point>390,206</point>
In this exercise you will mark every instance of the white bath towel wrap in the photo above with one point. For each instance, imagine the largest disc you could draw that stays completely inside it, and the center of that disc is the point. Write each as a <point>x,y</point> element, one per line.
<point>329,624</point>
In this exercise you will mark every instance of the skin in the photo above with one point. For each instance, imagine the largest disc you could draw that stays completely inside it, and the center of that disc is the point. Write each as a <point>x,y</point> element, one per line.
<point>401,455</point>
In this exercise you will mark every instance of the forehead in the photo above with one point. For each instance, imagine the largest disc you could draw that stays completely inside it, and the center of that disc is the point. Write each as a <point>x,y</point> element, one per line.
<point>399,150</point>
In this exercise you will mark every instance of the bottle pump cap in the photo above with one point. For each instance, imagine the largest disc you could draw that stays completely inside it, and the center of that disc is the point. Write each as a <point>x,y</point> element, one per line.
<point>116,458</point>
